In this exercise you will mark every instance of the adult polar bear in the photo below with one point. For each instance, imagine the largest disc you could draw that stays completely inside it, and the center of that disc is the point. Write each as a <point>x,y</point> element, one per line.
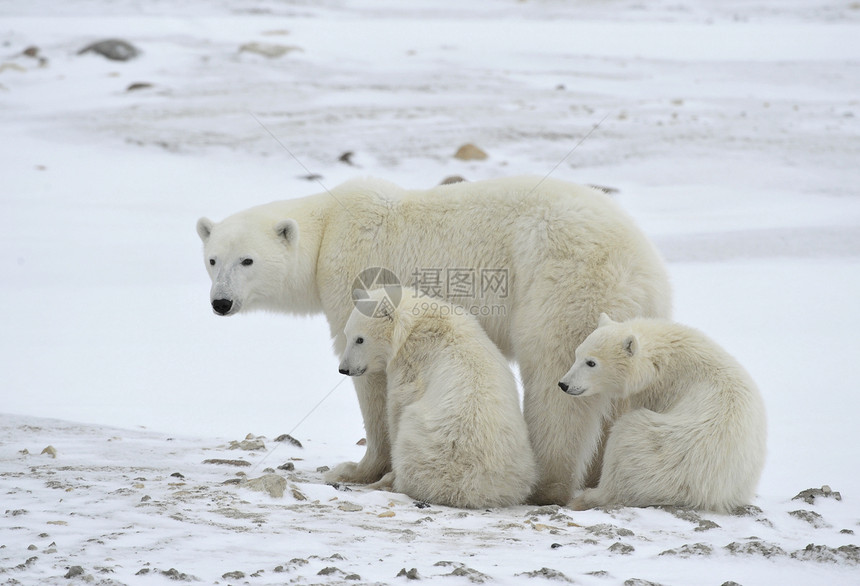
<point>566,252</point>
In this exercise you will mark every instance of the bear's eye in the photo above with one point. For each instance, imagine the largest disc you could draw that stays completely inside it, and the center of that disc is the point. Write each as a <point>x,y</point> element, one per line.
<point>247,262</point>
<point>590,363</point>
<point>212,261</point>
<point>359,340</point>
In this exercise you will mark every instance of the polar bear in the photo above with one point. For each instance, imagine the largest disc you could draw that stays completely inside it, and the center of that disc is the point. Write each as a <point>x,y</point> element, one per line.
<point>457,433</point>
<point>536,258</point>
<point>695,434</point>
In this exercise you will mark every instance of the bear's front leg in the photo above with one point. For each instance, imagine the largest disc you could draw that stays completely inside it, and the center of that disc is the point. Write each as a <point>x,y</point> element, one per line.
<point>371,390</point>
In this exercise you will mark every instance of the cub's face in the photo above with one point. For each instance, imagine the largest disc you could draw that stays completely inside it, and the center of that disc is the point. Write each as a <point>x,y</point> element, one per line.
<point>603,362</point>
<point>367,344</point>
<point>248,267</point>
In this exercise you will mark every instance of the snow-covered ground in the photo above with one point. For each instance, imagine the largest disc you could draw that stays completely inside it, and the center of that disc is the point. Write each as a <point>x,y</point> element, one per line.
<point>731,131</point>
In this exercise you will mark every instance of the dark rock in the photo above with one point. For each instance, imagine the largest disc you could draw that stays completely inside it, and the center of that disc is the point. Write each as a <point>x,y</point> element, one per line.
<point>605,189</point>
<point>810,517</point>
<point>140,85</point>
<point>810,494</point>
<point>545,510</point>
<point>748,511</point>
<point>461,570</point>
<point>410,574</point>
<point>237,575</point>
<point>547,573</point>
<point>346,157</point>
<point>687,550</point>
<point>221,462</point>
<point>755,547</point>
<point>288,466</point>
<point>422,504</point>
<point>73,572</point>
<point>177,475</point>
<point>621,548</point>
<point>705,525</point>
<point>113,49</point>
<point>328,571</point>
<point>607,530</point>
<point>452,179</point>
<point>178,576</point>
<point>285,437</point>
<point>849,554</point>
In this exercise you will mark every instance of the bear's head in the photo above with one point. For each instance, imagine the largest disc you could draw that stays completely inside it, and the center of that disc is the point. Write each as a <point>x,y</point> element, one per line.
<point>374,332</point>
<point>604,361</point>
<point>255,262</point>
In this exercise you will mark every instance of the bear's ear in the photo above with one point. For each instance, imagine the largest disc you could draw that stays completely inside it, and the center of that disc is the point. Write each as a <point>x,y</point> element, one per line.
<point>631,345</point>
<point>204,228</point>
<point>604,320</point>
<point>288,230</point>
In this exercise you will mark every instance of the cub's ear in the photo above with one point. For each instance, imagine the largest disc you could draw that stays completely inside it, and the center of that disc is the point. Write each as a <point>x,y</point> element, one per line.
<point>204,228</point>
<point>631,345</point>
<point>288,230</point>
<point>604,320</point>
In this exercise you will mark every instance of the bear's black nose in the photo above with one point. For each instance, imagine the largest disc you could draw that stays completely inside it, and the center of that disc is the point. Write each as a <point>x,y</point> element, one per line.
<point>343,370</point>
<point>563,386</point>
<point>222,306</point>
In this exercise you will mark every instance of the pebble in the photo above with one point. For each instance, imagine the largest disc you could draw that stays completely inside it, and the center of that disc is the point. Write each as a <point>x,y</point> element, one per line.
<point>221,462</point>
<point>285,437</point>
<point>272,484</point>
<point>113,49</point>
<point>470,152</point>
<point>268,50</point>
<point>410,574</point>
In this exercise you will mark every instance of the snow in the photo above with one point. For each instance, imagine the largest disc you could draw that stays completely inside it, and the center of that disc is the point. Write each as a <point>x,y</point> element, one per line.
<point>730,129</point>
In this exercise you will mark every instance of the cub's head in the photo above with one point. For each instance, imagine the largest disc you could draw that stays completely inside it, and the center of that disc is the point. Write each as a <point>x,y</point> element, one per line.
<point>370,332</point>
<point>254,263</point>
<point>604,361</point>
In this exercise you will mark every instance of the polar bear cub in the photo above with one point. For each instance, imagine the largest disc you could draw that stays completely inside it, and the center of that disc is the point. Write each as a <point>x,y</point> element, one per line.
<point>458,436</point>
<point>695,434</point>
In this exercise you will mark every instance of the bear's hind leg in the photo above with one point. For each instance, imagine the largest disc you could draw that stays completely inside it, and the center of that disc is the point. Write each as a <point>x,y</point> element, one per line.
<point>589,499</point>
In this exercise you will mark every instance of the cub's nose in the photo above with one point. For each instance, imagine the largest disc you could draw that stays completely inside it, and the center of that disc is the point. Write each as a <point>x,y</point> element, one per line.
<point>222,306</point>
<point>563,386</point>
<point>343,370</point>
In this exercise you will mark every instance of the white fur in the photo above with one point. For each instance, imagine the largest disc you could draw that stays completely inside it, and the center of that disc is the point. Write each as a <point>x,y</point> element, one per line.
<point>458,437</point>
<point>568,250</point>
<point>696,433</point>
